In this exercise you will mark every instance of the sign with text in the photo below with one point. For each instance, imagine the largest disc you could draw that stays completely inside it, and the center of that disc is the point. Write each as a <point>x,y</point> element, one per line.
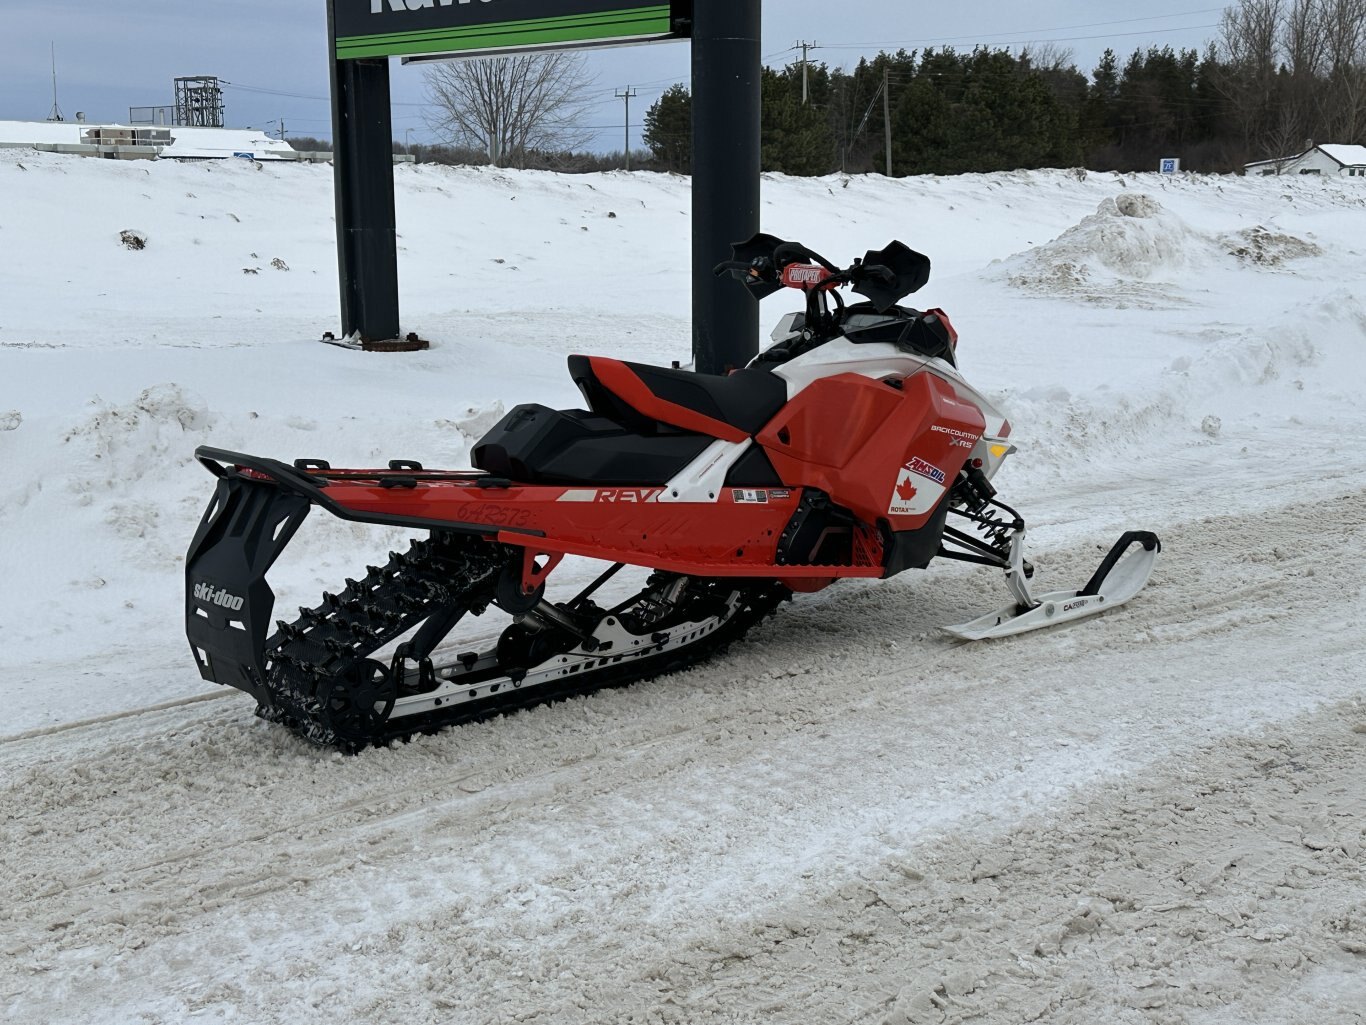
<point>432,29</point>
<point>1169,165</point>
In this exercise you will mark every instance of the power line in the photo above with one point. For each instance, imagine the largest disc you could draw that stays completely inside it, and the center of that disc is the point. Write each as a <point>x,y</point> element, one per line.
<point>883,44</point>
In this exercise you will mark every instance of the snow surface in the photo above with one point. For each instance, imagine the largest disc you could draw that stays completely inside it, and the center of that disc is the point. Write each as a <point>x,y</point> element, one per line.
<point>1155,816</point>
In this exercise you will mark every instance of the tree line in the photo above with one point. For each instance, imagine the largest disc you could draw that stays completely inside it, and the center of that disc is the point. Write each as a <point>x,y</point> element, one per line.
<point>1285,72</point>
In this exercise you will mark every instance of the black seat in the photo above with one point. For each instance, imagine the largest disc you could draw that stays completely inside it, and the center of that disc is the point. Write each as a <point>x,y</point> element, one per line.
<point>745,400</point>
<point>537,445</point>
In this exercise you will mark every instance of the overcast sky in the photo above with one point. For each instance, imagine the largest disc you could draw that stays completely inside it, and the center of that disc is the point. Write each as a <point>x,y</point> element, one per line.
<point>114,54</point>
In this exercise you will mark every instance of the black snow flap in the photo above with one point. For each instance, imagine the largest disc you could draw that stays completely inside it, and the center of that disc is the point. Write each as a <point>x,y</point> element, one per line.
<point>228,604</point>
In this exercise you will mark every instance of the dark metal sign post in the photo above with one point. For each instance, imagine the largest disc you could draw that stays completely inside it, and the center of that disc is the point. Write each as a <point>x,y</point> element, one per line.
<point>364,34</point>
<point>363,183</point>
<point>726,81</point>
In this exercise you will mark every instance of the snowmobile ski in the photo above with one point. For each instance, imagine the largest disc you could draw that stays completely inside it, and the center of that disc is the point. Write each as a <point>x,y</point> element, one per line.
<point>1123,573</point>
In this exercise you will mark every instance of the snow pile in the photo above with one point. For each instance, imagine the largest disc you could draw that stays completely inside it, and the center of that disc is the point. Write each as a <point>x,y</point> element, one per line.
<point>1117,255</point>
<point>1267,248</point>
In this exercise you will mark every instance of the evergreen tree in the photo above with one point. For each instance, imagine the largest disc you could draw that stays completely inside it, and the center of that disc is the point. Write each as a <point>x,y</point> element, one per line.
<point>668,129</point>
<point>797,136</point>
<point>1098,112</point>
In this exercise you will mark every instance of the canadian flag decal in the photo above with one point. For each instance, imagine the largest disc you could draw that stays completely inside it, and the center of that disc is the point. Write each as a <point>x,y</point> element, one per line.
<point>914,494</point>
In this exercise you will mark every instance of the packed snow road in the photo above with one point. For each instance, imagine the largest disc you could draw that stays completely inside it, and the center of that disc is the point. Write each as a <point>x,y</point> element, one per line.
<point>828,825</point>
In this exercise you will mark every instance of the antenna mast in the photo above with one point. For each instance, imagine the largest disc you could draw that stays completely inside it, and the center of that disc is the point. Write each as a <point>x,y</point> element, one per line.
<point>55,114</point>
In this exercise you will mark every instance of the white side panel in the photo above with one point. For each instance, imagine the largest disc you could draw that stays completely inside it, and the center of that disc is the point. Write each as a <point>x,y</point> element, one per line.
<point>703,478</point>
<point>878,360</point>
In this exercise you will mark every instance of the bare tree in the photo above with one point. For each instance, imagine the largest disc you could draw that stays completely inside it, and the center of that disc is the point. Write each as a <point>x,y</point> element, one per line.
<point>1344,42</point>
<point>1048,56</point>
<point>510,106</point>
<point>1302,39</point>
<point>1250,37</point>
<point>1296,71</point>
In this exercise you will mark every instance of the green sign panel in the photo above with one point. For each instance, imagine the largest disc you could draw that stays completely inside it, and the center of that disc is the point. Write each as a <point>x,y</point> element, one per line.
<point>466,28</point>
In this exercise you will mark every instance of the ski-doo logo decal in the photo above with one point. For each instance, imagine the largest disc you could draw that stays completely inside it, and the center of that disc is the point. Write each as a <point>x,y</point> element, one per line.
<point>217,596</point>
<point>918,465</point>
<point>746,496</point>
<point>618,495</point>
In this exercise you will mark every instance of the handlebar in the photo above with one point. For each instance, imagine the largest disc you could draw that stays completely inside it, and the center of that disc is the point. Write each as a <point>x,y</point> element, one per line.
<point>764,269</point>
<point>725,266</point>
<point>883,276</point>
<point>795,252</point>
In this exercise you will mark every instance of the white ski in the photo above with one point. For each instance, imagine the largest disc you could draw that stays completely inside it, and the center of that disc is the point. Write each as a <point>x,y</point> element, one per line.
<point>1122,574</point>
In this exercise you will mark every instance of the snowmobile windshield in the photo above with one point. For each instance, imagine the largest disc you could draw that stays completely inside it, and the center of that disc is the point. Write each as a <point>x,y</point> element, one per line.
<point>909,330</point>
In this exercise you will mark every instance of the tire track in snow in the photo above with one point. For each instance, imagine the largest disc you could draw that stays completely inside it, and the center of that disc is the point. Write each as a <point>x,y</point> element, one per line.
<point>102,720</point>
<point>193,829</point>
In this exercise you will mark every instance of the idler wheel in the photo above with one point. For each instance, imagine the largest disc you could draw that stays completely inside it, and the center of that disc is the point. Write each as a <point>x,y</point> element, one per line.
<point>357,701</point>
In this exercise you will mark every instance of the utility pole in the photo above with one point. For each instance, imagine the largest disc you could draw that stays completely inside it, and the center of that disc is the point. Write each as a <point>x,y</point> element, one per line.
<point>626,95</point>
<point>55,114</point>
<point>806,89</point>
<point>887,116</point>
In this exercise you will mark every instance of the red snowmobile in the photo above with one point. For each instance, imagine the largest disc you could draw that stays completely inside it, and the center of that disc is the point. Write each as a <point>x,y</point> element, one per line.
<point>852,447</point>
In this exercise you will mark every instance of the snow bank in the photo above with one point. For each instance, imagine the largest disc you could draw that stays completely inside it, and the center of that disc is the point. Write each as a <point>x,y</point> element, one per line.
<point>1109,256</point>
<point>1132,251</point>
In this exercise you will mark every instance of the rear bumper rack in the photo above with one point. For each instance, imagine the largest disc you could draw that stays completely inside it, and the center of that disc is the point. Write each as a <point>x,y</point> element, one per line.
<point>256,509</point>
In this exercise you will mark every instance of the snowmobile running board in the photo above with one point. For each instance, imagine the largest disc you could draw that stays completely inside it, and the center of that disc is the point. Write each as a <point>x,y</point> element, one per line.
<point>1121,575</point>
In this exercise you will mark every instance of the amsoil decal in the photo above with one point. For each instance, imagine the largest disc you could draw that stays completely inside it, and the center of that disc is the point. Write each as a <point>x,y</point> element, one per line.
<point>918,465</point>
<point>211,595</point>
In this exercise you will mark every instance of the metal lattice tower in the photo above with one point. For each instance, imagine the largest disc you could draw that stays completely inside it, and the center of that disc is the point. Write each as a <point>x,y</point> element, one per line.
<point>199,102</point>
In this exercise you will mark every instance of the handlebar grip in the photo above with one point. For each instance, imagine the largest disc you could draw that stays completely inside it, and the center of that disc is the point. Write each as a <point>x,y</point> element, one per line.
<point>729,265</point>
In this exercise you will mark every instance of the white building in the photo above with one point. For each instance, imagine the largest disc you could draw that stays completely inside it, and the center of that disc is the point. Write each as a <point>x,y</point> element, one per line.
<point>130,142</point>
<point>1332,159</point>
